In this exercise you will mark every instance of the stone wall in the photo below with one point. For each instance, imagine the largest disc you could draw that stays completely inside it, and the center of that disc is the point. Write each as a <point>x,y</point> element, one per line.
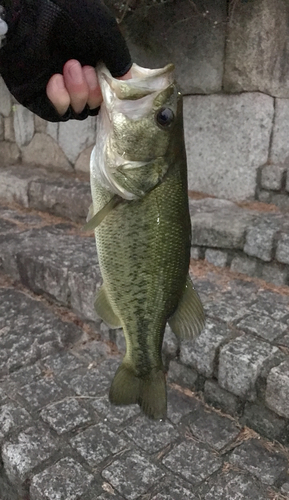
<point>231,60</point>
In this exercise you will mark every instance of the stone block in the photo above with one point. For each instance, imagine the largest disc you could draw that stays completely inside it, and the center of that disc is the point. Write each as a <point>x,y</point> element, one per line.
<point>264,196</point>
<point>65,416</point>
<point>14,184</point>
<point>97,443</point>
<point>132,475</point>
<point>282,252</point>
<point>218,157</point>
<point>179,374</point>
<point>235,486</point>
<point>202,352</point>
<point>9,132</point>
<point>269,467</point>
<point>43,150</point>
<point>277,391</point>
<point>272,177</point>
<point>82,163</point>
<point>281,200</point>
<point>12,417</point>
<point>179,405</point>
<point>274,273</point>
<point>1,128</point>
<point>9,153</point>
<point>194,36</point>
<point>75,136</point>
<point>28,450</point>
<point>23,125</point>
<point>241,362</point>
<point>221,399</point>
<point>58,196</point>
<point>279,147</point>
<point>213,429</point>
<point>260,238</point>
<point>195,253</point>
<point>193,461</point>
<point>116,415</point>
<point>65,479</point>
<point>257,60</point>
<point>40,393</point>
<point>151,436</point>
<point>40,124</point>
<point>245,265</point>
<point>218,258</point>
<point>265,422</point>
<point>171,344</point>
<point>262,325</point>
<point>5,99</point>
<point>175,492</point>
<point>223,228</point>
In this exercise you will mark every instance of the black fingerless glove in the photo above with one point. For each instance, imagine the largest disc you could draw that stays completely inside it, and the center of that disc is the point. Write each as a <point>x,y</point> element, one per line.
<point>44,34</point>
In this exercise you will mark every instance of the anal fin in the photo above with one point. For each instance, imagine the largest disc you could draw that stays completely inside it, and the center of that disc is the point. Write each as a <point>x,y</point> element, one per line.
<point>104,310</point>
<point>189,318</point>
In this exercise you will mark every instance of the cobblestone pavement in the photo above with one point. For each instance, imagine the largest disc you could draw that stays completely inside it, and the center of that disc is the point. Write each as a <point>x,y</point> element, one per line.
<point>61,439</point>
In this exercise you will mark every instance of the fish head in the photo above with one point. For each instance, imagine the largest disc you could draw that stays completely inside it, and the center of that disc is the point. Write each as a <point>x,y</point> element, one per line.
<point>137,121</point>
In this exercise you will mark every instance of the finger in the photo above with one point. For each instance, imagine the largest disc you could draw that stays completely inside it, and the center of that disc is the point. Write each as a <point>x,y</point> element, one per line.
<point>75,84</point>
<point>57,93</point>
<point>94,93</point>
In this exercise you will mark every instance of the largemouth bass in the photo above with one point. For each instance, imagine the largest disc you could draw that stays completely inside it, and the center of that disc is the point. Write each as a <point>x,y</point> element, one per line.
<point>142,228</point>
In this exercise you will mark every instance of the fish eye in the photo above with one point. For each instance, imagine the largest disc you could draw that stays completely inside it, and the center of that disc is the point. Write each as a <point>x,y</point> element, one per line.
<point>164,117</point>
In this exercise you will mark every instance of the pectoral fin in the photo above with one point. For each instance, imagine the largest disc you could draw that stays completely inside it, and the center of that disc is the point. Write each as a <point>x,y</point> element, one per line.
<point>95,220</point>
<point>189,318</point>
<point>104,309</point>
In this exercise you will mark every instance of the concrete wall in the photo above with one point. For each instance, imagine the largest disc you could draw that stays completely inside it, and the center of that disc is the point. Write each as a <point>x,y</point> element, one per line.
<point>232,64</point>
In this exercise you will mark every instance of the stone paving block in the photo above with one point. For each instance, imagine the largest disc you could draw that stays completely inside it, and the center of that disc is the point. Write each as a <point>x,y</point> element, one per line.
<point>262,326</point>
<point>202,352</point>
<point>66,479</point>
<point>222,399</point>
<point>193,461</point>
<point>282,252</point>
<point>97,443</point>
<point>95,381</point>
<point>218,258</point>
<point>195,253</point>
<point>211,428</point>
<point>65,416</point>
<point>275,305</point>
<point>277,391</point>
<point>240,364</point>
<point>179,405</point>
<point>220,309</point>
<point>41,393</point>
<point>267,466</point>
<point>239,147</point>
<point>245,265</point>
<point>175,493</point>
<point>179,374</point>
<point>236,486</point>
<point>272,176</point>
<point>260,239</point>
<point>28,450</point>
<point>12,417</point>
<point>265,422</point>
<point>149,435</point>
<point>274,273</point>
<point>63,362</point>
<point>132,475</point>
<point>116,415</point>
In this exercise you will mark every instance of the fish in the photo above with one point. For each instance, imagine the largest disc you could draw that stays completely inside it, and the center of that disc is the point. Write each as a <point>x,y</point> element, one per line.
<point>140,216</point>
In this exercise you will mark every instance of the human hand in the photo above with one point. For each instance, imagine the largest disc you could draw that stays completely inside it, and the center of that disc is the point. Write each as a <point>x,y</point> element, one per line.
<point>45,39</point>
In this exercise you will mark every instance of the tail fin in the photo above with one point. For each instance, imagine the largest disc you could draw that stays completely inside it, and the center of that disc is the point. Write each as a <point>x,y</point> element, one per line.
<point>149,392</point>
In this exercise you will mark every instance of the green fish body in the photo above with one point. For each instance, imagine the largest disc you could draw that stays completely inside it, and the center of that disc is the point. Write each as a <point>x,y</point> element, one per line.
<point>143,235</point>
